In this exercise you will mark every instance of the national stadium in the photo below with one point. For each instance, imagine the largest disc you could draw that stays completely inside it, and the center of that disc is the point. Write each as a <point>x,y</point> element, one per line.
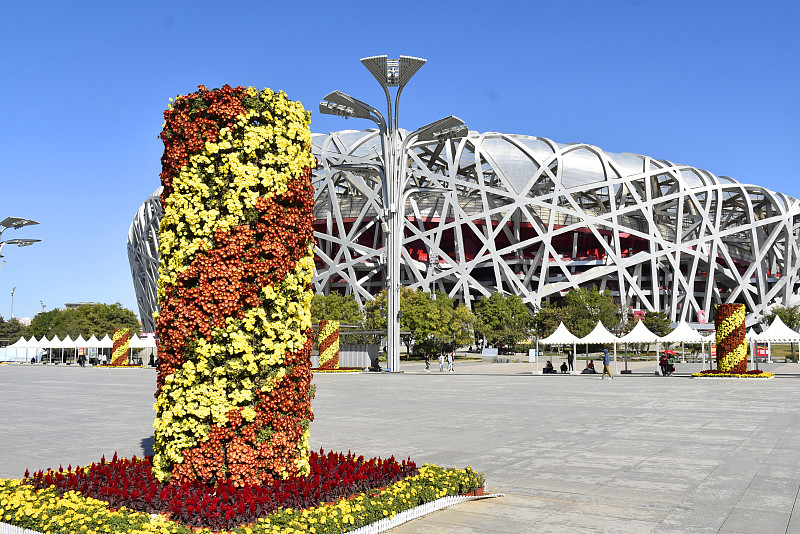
<point>527,216</point>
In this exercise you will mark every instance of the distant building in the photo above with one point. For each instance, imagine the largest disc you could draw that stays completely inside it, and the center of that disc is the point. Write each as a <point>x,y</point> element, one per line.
<point>73,305</point>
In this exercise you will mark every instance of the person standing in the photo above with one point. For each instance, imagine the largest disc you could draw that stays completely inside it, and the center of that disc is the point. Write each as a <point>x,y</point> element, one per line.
<point>450,358</point>
<point>662,362</point>
<point>441,362</point>
<point>606,364</point>
<point>570,360</point>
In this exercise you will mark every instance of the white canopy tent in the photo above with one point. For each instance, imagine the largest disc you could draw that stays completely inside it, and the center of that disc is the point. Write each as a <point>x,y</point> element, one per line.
<point>639,334</point>
<point>683,333</point>
<point>600,334</point>
<point>561,336</point>
<point>777,332</point>
<point>21,350</point>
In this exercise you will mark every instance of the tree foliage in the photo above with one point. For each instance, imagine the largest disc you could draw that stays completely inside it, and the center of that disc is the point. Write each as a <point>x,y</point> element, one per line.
<point>586,306</point>
<point>336,307</point>
<point>790,315</point>
<point>11,330</point>
<point>503,320</point>
<point>85,320</point>
<point>547,318</point>
<point>657,322</point>
<point>428,325</point>
<point>436,325</point>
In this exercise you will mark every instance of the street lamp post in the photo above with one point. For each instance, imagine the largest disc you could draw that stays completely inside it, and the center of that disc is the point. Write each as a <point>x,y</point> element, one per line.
<point>392,73</point>
<point>12,301</point>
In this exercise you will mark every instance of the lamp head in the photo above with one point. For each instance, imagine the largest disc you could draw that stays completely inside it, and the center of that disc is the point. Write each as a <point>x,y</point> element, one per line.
<point>446,128</point>
<point>21,242</point>
<point>393,72</point>
<point>344,105</point>
<point>16,222</point>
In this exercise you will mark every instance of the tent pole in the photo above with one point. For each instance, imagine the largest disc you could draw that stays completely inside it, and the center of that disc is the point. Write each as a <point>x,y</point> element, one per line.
<point>616,371</point>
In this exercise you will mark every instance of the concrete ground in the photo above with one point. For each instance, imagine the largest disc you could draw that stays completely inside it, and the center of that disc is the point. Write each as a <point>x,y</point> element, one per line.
<point>571,453</point>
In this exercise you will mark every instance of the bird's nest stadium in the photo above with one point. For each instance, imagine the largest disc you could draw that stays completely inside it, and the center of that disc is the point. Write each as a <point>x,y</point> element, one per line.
<point>527,216</point>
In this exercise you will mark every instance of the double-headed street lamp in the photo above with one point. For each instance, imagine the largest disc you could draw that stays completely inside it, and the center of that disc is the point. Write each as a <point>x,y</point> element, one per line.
<point>15,223</point>
<point>392,168</point>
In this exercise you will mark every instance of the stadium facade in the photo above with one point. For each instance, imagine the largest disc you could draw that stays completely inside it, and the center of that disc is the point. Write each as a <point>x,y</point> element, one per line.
<point>527,216</point>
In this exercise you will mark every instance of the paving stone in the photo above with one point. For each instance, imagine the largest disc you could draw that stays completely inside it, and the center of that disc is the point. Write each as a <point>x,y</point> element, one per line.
<point>572,454</point>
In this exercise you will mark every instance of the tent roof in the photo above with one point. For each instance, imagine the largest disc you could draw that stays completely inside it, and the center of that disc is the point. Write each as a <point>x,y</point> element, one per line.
<point>149,341</point>
<point>561,336</point>
<point>639,334</point>
<point>600,334</point>
<point>752,335</point>
<point>778,332</point>
<point>106,342</point>
<point>21,342</point>
<point>93,342</point>
<point>683,333</point>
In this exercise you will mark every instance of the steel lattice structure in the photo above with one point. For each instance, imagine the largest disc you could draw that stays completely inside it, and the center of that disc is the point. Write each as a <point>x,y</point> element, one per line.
<point>143,257</point>
<point>535,218</point>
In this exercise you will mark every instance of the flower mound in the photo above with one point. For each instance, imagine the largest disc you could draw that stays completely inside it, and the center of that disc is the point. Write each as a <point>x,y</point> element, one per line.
<point>731,341</point>
<point>329,345</point>
<point>120,347</point>
<point>236,258</point>
<point>130,484</point>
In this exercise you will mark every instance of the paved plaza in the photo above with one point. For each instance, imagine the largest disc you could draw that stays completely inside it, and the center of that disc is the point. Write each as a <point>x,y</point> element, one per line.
<point>571,453</point>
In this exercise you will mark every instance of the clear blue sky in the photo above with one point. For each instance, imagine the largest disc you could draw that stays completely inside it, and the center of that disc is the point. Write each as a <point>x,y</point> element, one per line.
<point>711,84</point>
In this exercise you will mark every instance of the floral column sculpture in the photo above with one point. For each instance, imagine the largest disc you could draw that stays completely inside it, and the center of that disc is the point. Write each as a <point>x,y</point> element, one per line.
<point>120,346</point>
<point>236,244</point>
<point>328,344</point>
<point>730,338</point>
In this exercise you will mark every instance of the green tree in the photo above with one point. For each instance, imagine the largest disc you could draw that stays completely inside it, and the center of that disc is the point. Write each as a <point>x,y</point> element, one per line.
<point>790,315</point>
<point>86,320</point>
<point>427,325</point>
<point>546,319</point>
<point>336,307</point>
<point>586,306</point>
<point>657,322</point>
<point>503,320</point>
<point>11,331</point>
<point>435,325</point>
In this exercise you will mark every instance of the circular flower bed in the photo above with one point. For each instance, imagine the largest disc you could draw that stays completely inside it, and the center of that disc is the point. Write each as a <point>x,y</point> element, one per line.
<point>722,374</point>
<point>342,494</point>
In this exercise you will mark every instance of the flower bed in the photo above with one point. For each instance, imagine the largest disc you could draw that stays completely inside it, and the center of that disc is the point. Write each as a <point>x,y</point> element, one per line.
<point>722,374</point>
<point>341,494</point>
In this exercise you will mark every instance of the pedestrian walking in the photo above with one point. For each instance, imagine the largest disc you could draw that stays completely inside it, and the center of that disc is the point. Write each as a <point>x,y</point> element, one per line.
<point>441,362</point>
<point>450,358</point>
<point>606,363</point>
<point>427,363</point>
